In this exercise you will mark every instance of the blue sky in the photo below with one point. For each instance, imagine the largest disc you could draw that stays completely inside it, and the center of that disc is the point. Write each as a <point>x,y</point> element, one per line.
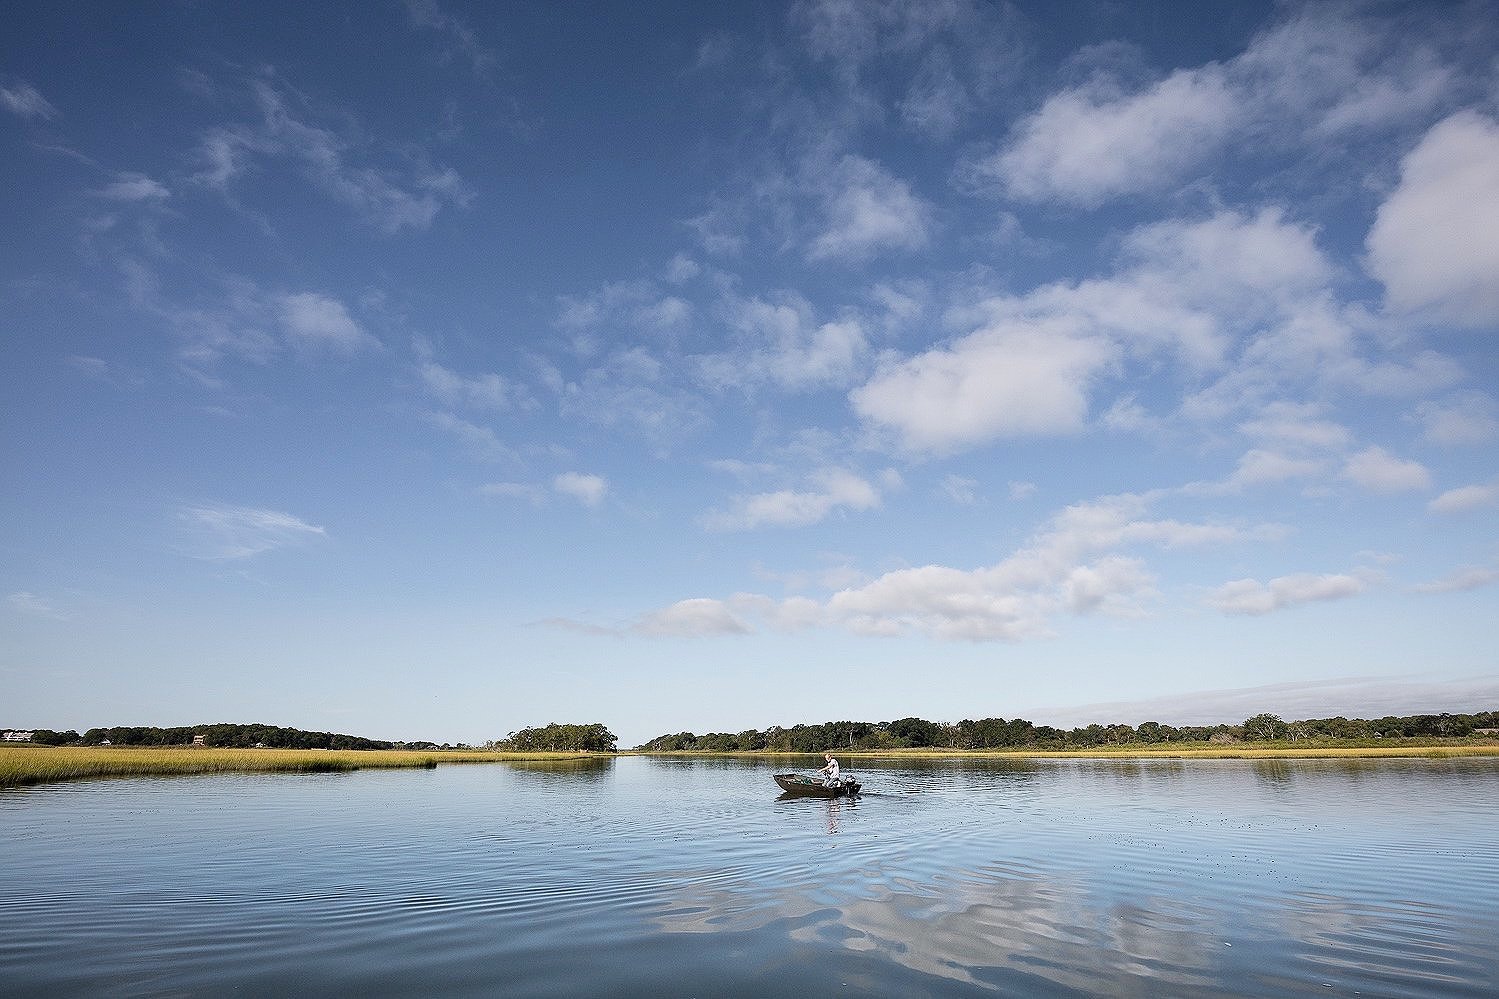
<point>424,370</point>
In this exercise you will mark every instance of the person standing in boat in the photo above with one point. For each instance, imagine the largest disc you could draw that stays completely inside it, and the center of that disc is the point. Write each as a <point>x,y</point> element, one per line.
<point>829,770</point>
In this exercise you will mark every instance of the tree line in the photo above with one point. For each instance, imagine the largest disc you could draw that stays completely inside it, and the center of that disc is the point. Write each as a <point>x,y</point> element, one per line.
<point>555,738</point>
<point>223,735</point>
<point>1017,733</point>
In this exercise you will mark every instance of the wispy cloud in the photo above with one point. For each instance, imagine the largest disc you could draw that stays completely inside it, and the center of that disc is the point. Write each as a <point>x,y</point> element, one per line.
<point>404,196</point>
<point>455,31</point>
<point>31,605</point>
<point>830,489</point>
<point>1351,696</point>
<point>226,532</point>
<point>134,187</point>
<point>21,98</point>
<point>1472,578</point>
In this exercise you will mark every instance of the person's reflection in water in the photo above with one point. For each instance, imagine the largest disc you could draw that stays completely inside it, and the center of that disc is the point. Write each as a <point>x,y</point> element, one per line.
<point>835,808</point>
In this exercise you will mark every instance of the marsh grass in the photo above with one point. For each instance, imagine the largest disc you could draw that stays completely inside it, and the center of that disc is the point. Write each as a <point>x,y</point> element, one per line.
<point>25,765</point>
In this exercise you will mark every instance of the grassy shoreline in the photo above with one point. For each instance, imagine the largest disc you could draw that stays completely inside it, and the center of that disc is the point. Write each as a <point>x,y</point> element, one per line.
<point>23,765</point>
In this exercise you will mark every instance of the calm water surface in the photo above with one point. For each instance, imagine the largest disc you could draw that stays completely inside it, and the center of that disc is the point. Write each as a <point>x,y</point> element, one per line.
<point>689,878</point>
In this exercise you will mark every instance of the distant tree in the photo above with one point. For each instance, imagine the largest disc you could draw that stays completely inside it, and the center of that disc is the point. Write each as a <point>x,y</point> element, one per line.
<point>1264,727</point>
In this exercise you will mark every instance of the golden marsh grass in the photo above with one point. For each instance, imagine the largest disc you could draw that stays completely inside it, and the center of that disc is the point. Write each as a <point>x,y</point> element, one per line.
<point>23,765</point>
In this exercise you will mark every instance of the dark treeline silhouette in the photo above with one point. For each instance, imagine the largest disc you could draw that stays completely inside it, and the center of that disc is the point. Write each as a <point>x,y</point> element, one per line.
<point>555,738</point>
<point>997,733</point>
<point>222,735</point>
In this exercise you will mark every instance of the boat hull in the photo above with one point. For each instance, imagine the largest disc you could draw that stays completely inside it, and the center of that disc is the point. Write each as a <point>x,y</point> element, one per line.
<point>799,786</point>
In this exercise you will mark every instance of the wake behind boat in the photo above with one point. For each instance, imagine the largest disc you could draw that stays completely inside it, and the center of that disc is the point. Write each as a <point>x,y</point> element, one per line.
<point>800,785</point>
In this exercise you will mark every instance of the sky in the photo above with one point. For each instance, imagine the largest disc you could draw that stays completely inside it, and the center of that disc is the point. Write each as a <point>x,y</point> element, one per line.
<point>424,370</point>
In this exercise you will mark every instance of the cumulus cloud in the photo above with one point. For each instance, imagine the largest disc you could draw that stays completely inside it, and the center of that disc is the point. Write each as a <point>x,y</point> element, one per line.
<point>1322,73</point>
<point>1376,469</point>
<point>1466,498</point>
<point>223,532</point>
<point>26,101</point>
<point>1183,289</point>
<point>1091,143</point>
<point>1007,380</point>
<point>831,489</point>
<point>318,320</point>
<point>1435,241</point>
<point>1076,564</point>
<point>694,618</point>
<point>780,340</point>
<point>586,489</point>
<point>1250,596</point>
<point>1470,418</point>
<point>866,210</point>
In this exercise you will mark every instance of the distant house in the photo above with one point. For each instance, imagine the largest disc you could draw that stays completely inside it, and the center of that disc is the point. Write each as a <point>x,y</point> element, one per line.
<point>200,740</point>
<point>17,736</point>
<point>1476,731</point>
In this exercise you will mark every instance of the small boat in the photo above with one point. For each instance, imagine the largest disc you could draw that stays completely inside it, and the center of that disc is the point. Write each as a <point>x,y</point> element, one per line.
<point>799,785</point>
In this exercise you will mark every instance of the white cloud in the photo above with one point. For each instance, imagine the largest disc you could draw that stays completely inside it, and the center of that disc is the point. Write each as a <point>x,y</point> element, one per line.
<point>1470,418</point>
<point>320,320</point>
<point>1435,241</point>
<point>484,391</point>
<point>234,532</point>
<point>693,618</point>
<point>1250,596</point>
<point>1185,289</point>
<point>1324,73</point>
<point>780,341</point>
<point>586,489</point>
<point>25,100</point>
<point>1376,469</point>
<point>1091,143</point>
<point>1074,564</point>
<point>865,211</point>
<point>1461,581</point>
<point>832,489</point>
<point>31,605</point>
<point>133,187</point>
<point>1298,424</point>
<point>1466,498</point>
<point>1259,467</point>
<point>1003,381</point>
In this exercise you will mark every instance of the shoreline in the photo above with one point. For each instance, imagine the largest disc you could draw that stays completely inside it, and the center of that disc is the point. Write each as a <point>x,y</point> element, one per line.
<point>24,765</point>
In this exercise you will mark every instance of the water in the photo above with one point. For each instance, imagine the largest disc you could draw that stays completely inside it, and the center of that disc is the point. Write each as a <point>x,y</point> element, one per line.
<point>689,878</point>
